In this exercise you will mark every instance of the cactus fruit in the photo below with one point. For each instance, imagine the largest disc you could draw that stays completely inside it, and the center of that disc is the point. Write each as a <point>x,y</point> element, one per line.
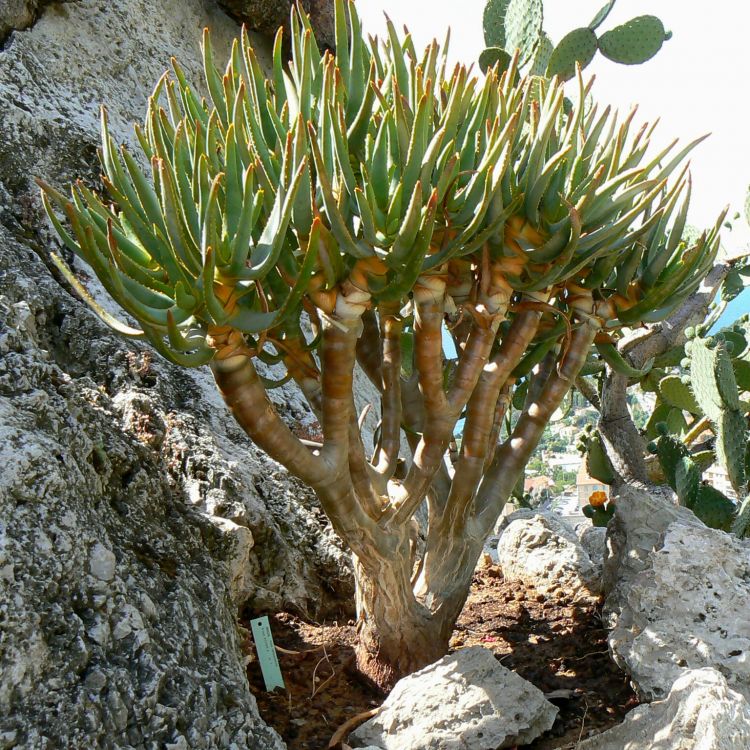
<point>634,42</point>
<point>578,46</point>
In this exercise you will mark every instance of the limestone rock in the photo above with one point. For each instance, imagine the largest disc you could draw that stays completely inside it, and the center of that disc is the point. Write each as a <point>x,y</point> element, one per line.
<point>465,701</point>
<point>543,551</point>
<point>688,609</point>
<point>594,540</point>
<point>117,627</point>
<point>267,15</point>
<point>116,623</point>
<point>635,531</point>
<point>701,712</point>
<point>50,128</point>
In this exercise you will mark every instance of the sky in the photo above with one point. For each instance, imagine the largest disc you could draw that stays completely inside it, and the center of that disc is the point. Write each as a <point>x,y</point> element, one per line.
<point>698,83</point>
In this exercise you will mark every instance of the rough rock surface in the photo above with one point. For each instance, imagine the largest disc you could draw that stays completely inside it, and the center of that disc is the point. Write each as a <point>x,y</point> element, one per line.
<point>634,532</point>
<point>701,712</point>
<point>689,609</point>
<point>50,129</point>
<point>117,627</point>
<point>134,514</point>
<point>594,540</point>
<point>465,701</point>
<point>267,15</point>
<point>544,551</point>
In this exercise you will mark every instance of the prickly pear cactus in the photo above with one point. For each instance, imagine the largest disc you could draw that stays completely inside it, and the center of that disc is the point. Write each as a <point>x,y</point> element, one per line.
<point>709,393</point>
<point>684,476</point>
<point>600,508</point>
<point>715,389</point>
<point>544,50</point>
<point>494,56</point>
<point>578,46</point>
<point>511,25</point>
<point>523,27</point>
<point>601,15</point>
<point>634,42</point>
<point>494,23</point>
<point>598,464</point>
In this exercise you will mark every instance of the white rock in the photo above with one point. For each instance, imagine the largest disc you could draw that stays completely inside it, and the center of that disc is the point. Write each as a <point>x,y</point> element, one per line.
<point>594,540</point>
<point>465,701</point>
<point>544,552</point>
<point>240,570</point>
<point>102,562</point>
<point>701,713</point>
<point>690,609</point>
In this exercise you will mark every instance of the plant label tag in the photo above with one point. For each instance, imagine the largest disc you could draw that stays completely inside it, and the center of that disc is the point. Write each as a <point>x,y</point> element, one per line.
<point>269,662</point>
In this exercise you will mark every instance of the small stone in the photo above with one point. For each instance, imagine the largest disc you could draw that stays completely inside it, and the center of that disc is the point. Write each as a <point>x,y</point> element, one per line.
<point>102,562</point>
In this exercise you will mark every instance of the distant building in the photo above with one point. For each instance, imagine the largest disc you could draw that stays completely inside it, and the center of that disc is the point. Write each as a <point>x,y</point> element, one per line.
<point>564,461</point>
<point>586,486</point>
<point>531,484</point>
<point>718,478</point>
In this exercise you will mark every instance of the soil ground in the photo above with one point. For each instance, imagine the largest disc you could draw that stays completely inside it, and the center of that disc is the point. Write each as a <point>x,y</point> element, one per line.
<point>557,644</point>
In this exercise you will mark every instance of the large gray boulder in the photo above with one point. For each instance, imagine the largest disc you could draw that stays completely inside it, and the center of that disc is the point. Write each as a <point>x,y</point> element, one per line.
<point>642,517</point>
<point>465,701</point>
<point>50,128</point>
<point>135,516</point>
<point>117,627</point>
<point>701,712</point>
<point>688,609</point>
<point>542,551</point>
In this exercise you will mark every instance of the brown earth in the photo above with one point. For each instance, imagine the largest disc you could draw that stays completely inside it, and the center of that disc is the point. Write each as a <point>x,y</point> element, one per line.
<point>557,644</point>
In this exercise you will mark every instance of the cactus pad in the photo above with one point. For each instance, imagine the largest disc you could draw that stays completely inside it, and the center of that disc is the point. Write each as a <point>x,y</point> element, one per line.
<point>542,56</point>
<point>730,445</point>
<point>601,16</point>
<point>713,508</point>
<point>494,22</point>
<point>670,452</point>
<point>674,392</point>
<point>741,524</point>
<point>523,27</point>
<point>578,46</point>
<point>493,55</point>
<point>597,461</point>
<point>742,373</point>
<point>687,481</point>
<point>634,42</point>
<point>702,372</point>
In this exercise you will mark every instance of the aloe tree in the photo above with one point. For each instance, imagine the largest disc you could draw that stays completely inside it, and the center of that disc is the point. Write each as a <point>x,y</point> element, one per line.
<point>344,211</point>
